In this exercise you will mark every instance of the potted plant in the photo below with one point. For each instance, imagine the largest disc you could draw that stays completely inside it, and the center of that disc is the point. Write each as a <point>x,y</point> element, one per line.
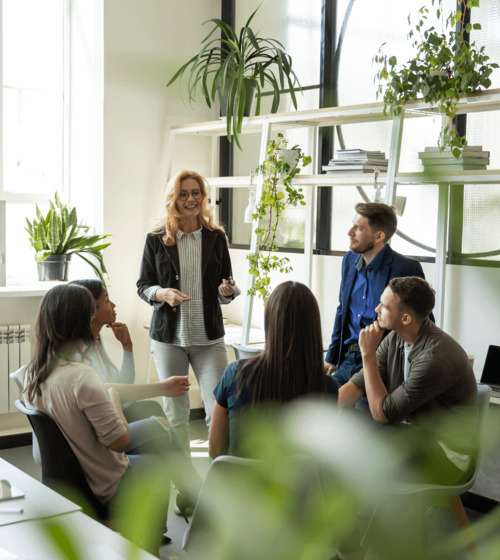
<point>445,67</point>
<point>278,169</point>
<point>236,67</point>
<point>57,236</point>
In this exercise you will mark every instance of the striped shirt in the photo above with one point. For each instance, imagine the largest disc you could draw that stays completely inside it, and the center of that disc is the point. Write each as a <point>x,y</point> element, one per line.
<point>190,324</point>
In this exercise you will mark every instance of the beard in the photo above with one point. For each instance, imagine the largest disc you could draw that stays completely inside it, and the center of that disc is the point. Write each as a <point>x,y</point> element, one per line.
<point>361,248</point>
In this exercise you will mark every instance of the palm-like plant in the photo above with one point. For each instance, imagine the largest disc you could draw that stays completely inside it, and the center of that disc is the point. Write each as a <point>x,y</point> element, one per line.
<point>230,64</point>
<point>59,233</point>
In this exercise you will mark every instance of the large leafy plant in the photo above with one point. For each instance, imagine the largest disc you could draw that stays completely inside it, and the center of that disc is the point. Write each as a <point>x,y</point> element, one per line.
<point>227,65</point>
<point>446,66</point>
<point>59,233</point>
<point>277,193</point>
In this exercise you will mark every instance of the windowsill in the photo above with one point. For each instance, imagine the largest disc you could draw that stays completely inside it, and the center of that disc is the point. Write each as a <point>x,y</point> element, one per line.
<point>35,289</point>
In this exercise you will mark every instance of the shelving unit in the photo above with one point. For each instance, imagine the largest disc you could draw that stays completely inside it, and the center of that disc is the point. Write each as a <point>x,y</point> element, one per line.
<point>333,116</point>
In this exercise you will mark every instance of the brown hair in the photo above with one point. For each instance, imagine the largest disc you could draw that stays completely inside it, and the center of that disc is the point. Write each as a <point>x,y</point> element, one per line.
<point>62,325</point>
<point>415,295</point>
<point>171,224</point>
<point>380,216</point>
<point>291,364</point>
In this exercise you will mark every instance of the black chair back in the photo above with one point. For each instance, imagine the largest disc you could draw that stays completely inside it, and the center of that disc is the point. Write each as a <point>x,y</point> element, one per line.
<point>61,470</point>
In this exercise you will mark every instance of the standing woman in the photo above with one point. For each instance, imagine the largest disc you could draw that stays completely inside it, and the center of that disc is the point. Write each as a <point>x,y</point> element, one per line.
<point>186,275</point>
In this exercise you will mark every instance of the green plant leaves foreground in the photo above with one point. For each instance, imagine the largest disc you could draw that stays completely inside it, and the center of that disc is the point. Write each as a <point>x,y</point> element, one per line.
<point>59,233</point>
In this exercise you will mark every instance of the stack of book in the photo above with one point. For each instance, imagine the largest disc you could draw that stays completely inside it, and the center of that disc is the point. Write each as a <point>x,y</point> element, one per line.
<point>473,157</point>
<point>357,161</point>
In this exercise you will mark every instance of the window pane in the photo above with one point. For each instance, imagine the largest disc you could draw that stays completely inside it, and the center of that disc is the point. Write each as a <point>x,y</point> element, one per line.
<point>300,32</point>
<point>33,95</point>
<point>481,232</point>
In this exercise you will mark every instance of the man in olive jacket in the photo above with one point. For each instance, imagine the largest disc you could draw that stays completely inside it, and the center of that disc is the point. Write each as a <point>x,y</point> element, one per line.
<point>418,375</point>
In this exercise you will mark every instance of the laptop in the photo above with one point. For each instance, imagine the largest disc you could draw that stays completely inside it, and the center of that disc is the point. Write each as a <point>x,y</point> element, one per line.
<point>491,369</point>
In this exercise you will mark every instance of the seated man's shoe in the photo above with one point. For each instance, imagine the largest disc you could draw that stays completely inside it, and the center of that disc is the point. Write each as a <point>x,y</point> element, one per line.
<point>183,506</point>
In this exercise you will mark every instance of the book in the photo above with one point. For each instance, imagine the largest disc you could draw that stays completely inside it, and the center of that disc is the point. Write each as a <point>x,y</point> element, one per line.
<point>377,162</point>
<point>448,155</point>
<point>357,168</point>
<point>452,167</point>
<point>357,151</point>
<point>467,149</point>
<point>467,160</point>
<point>359,155</point>
<point>367,161</point>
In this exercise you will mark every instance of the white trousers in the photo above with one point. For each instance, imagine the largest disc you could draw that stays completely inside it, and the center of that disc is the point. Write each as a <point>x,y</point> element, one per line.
<point>208,363</point>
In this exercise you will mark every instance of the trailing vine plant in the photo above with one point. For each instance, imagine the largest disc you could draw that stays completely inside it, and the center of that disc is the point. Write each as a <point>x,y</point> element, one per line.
<point>446,66</point>
<point>277,193</point>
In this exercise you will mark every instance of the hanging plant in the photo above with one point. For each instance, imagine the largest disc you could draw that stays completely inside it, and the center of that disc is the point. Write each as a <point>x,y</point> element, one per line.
<point>446,66</point>
<point>278,169</point>
<point>236,67</point>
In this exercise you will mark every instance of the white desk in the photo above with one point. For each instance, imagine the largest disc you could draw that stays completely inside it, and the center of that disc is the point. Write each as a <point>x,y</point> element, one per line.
<point>233,335</point>
<point>39,500</point>
<point>94,541</point>
<point>23,535</point>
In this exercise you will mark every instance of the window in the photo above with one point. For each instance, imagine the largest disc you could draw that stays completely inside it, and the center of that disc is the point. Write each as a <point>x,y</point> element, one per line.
<point>300,31</point>
<point>360,27</point>
<point>40,67</point>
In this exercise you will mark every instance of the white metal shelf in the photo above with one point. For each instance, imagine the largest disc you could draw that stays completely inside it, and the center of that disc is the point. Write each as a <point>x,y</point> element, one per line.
<point>476,177</point>
<point>335,116</point>
<point>332,116</point>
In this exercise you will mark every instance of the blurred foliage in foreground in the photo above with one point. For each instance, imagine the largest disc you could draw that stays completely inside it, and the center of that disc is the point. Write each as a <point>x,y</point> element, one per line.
<point>317,479</point>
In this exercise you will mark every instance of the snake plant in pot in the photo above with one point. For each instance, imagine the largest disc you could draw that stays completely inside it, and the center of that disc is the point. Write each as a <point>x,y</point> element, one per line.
<point>446,65</point>
<point>235,67</point>
<point>57,236</point>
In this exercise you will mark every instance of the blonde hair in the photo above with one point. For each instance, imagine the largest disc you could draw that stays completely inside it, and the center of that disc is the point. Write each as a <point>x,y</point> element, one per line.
<point>170,224</point>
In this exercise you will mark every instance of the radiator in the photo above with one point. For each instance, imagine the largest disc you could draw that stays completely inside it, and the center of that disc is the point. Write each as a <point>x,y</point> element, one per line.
<point>15,351</point>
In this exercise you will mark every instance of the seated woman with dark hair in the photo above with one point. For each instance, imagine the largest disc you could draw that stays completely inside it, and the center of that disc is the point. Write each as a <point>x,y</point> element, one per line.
<point>290,366</point>
<point>110,450</point>
<point>96,356</point>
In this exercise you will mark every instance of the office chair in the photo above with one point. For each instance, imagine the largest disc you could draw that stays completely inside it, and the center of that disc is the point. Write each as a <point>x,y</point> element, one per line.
<point>237,518</point>
<point>61,470</point>
<point>430,494</point>
<point>243,352</point>
<point>18,378</point>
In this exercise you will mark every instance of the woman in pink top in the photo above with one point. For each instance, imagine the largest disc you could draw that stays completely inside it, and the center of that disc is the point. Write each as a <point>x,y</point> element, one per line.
<point>89,413</point>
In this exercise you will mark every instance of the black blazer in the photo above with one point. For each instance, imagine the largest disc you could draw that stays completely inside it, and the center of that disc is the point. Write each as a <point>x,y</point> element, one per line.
<point>160,267</point>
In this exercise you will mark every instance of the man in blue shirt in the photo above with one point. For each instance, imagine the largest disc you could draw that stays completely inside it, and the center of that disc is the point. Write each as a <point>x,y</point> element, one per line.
<point>366,271</point>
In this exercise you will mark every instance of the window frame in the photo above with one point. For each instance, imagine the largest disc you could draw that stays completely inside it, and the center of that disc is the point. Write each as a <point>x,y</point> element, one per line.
<point>329,97</point>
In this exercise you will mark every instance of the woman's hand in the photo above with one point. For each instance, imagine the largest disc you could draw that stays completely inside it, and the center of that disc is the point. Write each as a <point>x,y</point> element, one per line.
<point>175,386</point>
<point>172,296</point>
<point>226,289</point>
<point>120,330</point>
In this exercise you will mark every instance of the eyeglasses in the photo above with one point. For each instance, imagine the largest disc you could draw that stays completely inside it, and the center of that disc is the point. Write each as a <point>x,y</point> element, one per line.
<point>183,195</point>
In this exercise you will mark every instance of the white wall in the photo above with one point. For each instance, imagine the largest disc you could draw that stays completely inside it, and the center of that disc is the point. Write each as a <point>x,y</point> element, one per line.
<point>144,44</point>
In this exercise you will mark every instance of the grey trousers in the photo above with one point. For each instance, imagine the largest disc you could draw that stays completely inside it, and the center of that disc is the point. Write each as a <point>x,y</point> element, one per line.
<point>208,363</point>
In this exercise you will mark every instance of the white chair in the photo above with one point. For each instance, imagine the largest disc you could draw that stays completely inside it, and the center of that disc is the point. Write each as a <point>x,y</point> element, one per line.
<point>18,378</point>
<point>237,495</point>
<point>244,352</point>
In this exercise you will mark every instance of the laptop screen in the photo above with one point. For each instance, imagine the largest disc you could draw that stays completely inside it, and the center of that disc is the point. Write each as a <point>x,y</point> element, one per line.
<point>491,370</point>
